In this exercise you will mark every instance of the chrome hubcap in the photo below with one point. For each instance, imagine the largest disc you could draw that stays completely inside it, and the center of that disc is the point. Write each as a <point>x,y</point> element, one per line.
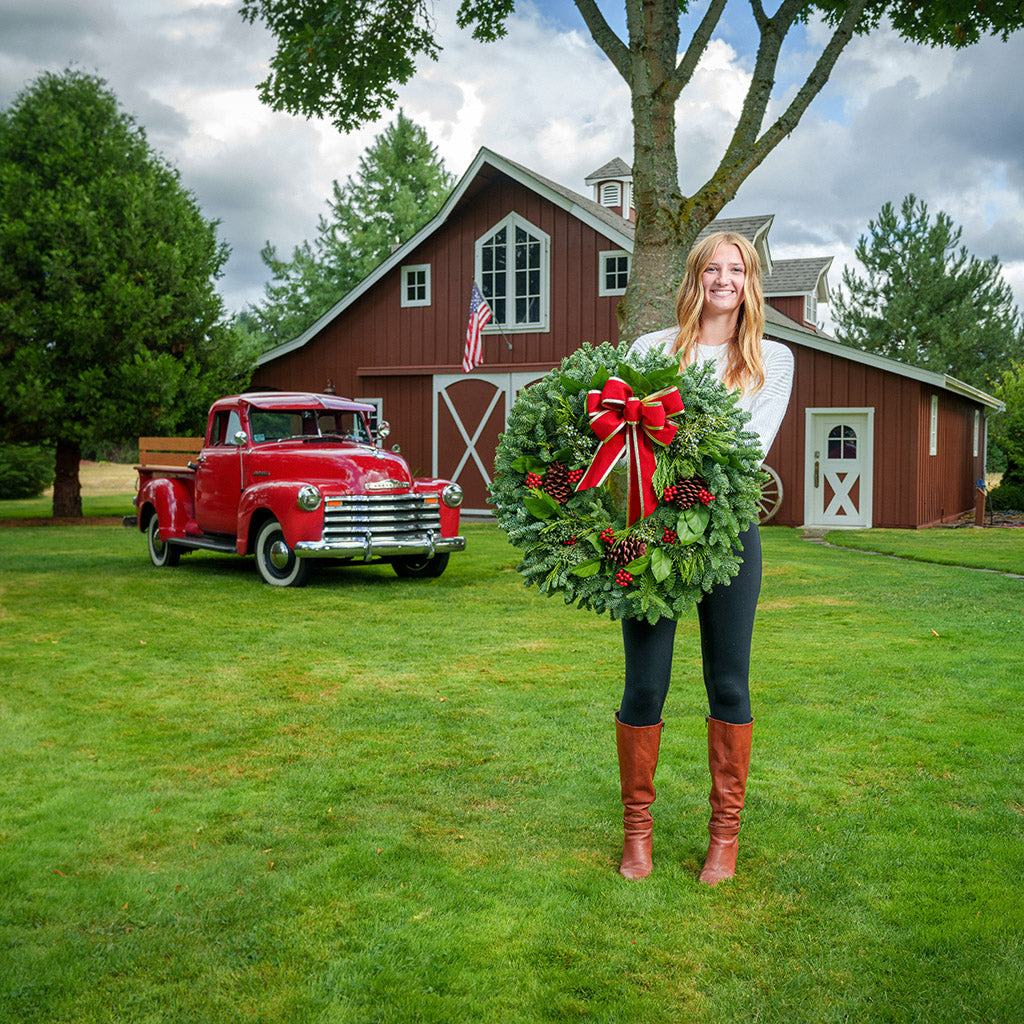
<point>279,555</point>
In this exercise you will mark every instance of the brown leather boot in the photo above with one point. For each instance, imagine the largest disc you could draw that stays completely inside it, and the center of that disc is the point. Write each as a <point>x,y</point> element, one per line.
<point>729,761</point>
<point>638,757</point>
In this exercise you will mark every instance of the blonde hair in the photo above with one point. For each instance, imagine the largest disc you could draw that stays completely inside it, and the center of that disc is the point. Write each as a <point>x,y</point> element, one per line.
<point>746,363</point>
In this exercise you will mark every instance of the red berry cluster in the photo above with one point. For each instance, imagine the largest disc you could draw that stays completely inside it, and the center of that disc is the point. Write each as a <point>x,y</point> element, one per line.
<point>575,475</point>
<point>569,542</point>
<point>706,496</point>
<point>533,480</point>
<point>623,578</point>
<point>608,535</point>
<point>669,536</point>
<point>670,492</point>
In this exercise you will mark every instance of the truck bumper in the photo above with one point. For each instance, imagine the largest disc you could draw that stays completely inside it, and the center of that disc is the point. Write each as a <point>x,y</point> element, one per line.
<point>368,547</point>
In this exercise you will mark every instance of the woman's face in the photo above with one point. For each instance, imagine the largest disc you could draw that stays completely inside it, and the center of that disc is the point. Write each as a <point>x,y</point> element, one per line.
<point>723,279</point>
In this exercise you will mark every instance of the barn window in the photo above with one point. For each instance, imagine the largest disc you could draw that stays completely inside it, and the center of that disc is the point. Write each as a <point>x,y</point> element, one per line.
<point>614,272</point>
<point>811,309</point>
<point>512,268</point>
<point>977,430</point>
<point>416,285</point>
<point>611,193</point>
<point>933,430</point>
<point>842,442</point>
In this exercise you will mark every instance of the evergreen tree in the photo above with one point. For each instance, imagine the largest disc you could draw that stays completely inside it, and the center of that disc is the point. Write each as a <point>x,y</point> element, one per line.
<point>925,300</point>
<point>1007,431</point>
<point>110,322</point>
<point>400,185</point>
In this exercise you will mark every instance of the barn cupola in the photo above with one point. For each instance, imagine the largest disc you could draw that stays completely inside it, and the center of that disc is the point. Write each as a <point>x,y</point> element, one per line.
<point>613,188</point>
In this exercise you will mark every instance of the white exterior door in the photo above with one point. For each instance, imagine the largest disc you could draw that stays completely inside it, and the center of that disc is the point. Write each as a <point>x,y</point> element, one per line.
<point>469,412</point>
<point>838,461</point>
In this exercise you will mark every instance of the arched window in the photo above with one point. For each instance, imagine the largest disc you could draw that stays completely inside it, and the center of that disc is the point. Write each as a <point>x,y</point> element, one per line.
<point>512,269</point>
<point>842,442</point>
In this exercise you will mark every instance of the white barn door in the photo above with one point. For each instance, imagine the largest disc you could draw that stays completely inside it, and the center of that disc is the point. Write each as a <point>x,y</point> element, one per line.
<point>838,467</point>
<point>469,412</point>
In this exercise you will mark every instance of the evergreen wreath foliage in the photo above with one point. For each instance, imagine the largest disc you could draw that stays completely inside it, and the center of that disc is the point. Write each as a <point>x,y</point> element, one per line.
<point>578,543</point>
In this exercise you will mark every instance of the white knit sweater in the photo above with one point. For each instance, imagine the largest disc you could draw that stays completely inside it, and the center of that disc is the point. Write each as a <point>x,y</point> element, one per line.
<point>767,406</point>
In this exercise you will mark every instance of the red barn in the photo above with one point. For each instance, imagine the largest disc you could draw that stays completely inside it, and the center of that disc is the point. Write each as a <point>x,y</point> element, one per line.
<point>867,441</point>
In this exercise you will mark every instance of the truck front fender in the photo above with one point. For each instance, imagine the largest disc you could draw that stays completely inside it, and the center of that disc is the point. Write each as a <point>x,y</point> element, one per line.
<point>277,498</point>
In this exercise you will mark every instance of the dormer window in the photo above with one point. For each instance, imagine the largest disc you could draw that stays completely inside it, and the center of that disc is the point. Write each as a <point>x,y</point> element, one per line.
<point>512,269</point>
<point>611,193</point>
<point>811,309</point>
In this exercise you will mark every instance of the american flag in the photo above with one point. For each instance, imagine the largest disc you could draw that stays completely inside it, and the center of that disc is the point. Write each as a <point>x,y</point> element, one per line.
<point>479,315</point>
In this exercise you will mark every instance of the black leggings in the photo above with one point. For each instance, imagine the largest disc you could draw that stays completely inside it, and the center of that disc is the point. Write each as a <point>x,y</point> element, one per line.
<point>726,616</point>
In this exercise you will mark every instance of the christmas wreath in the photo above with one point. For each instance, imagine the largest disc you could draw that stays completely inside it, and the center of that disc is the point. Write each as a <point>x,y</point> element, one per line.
<point>626,482</point>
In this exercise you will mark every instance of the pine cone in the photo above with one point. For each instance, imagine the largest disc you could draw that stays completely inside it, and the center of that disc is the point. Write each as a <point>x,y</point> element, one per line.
<point>626,550</point>
<point>686,493</point>
<point>556,482</point>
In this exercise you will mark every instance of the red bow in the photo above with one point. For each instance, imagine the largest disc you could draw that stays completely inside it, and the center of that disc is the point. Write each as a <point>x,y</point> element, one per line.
<point>623,421</point>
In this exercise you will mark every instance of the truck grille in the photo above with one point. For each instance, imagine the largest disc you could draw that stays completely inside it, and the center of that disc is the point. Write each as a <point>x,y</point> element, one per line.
<point>385,517</point>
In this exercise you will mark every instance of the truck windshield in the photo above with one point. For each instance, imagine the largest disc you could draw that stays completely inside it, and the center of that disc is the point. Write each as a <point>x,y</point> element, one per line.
<point>276,424</point>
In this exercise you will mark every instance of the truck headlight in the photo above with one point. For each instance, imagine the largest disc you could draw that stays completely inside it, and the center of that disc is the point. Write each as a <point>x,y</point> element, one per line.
<point>308,497</point>
<point>452,495</point>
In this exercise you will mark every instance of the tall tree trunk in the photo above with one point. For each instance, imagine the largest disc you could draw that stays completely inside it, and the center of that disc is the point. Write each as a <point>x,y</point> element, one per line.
<point>666,225</point>
<point>67,491</point>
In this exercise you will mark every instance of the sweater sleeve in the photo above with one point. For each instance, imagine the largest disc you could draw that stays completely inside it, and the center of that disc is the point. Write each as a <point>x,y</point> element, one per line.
<point>768,406</point>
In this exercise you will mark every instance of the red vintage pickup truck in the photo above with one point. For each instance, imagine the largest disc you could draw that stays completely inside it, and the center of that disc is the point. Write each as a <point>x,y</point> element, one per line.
<point>291,477</point>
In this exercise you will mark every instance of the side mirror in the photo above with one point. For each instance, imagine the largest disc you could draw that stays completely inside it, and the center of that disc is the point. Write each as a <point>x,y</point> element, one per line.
<point>239,438</point>
<point>383,429</point>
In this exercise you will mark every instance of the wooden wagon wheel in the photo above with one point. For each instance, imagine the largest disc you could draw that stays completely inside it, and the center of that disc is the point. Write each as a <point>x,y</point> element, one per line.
<point>771,496</point>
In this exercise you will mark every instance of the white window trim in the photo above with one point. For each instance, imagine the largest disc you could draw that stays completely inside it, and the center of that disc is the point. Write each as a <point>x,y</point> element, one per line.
<point>610,193</point>
<point>406,271</point>
<point>811,309</point>
<point>977,430</point>
<point>511,222</point>
<point>933,427</point>
<point>602,258</point>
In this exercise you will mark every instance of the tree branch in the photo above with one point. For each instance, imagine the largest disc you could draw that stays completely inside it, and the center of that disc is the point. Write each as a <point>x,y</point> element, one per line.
<point>601,32</point>
<point>759,16</point>
<point>698,44</point>
<point>816,81</point>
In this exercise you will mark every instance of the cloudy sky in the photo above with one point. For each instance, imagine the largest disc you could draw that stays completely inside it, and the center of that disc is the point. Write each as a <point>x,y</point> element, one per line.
<point>947,126</point>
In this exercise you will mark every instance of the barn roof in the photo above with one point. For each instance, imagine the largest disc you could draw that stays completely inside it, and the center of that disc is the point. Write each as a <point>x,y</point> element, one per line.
<point>622,231</point>
<point>799,277</point>
<point>780,326</point>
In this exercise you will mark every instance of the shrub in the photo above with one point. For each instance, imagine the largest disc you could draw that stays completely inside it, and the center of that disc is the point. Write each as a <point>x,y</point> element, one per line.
<point>1008,495</point>
<point>25,470</point>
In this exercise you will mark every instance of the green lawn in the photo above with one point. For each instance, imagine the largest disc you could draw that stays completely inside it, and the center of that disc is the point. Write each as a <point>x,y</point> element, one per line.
<point>384,800</point>
<point>997,548</point>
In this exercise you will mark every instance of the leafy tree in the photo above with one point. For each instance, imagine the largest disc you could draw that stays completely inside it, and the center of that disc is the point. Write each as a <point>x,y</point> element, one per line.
<point>1008,432</point>
<point>110,324</point>
<point>400,185</point>
<point>925,299</point>
<point>343,58</point>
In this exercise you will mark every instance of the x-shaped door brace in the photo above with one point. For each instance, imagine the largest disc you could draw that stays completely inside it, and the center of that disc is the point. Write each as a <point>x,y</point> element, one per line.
<point>842,501</point>
<point>471,441</point>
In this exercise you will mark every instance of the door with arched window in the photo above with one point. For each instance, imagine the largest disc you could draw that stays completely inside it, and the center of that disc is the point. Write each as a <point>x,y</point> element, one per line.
<point>838,474</point>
